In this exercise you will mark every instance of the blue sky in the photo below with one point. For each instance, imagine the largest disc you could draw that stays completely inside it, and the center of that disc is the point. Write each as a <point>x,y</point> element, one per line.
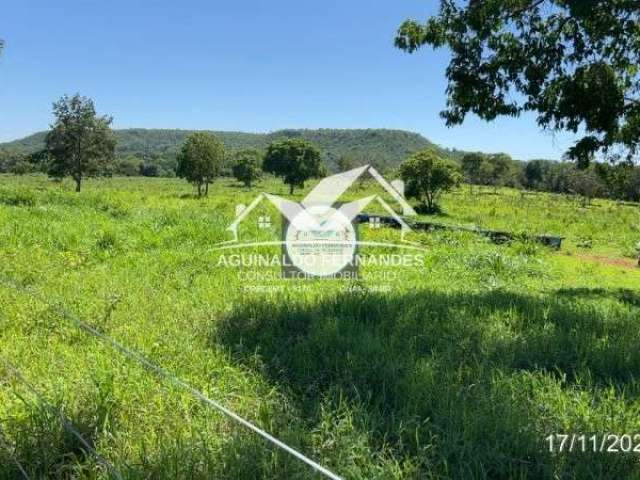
<point>245,65</point>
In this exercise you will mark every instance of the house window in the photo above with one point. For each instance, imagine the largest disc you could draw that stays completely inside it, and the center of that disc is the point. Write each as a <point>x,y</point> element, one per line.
<point>374,222</point>
<point>264,222</point>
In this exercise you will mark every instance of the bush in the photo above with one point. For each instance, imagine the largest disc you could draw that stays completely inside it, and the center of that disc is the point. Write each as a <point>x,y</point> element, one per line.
<point>427,176</point>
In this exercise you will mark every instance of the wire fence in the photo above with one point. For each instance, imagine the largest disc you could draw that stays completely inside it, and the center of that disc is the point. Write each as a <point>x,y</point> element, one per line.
<point>4,444</point>
<point>66,424</point>
<point>168,376</point>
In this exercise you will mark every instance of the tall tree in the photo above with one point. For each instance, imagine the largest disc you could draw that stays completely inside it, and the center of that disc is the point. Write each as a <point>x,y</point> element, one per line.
<point>535,173</point>
<point>295,160</point>
<point>200,160</point>
<point>572,62</point>
<point>426,176</point>
<point>615,178</point>
<point>586,184</point>
<point>501,167</point>
<point>471,168</point>
<point>80,143</point>
<point>247,166</point>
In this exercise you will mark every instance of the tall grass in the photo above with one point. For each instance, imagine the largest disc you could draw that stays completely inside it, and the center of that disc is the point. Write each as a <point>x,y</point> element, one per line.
<point>461,370</point>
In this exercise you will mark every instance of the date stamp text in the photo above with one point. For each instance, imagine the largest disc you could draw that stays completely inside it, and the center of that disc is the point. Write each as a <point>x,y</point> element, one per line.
<point>602,443</point>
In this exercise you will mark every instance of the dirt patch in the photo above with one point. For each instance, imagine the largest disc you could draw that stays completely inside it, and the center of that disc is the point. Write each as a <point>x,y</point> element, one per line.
<point>618,262</point>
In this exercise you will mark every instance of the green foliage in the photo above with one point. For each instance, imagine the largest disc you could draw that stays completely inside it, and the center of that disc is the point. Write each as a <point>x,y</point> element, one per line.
<point>346,162</point>
<point>129,166</point>
<point>471,167</point>
<point>247,166</point>
<point>80,143</point>
<point>9,156</point>
<point>294,160</point>
<point>19,162</point>
<point>380,147</point>
<point>586,184</point>
<point>157,149</point>
<point>620,181</point>
<point>502,173</point>
<point>535,174</point>
<point>427,176</point>
<point>21,167</point>
<point>200,160</point>
<point>150,170</point>
<point>552,57</point>
<point>494,169</point>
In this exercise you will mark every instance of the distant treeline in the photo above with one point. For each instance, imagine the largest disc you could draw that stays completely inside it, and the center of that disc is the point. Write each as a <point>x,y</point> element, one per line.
<point>15,160</point>
<point>153,153</point>
<point>600,180</point>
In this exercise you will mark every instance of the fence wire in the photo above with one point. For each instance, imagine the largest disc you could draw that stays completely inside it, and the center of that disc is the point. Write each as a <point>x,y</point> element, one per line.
<point>170,377</point>
<point>66,424</point>
<point>7,447</point>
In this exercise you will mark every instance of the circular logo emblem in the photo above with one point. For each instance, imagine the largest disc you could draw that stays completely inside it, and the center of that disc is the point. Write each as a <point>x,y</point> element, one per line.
<point>320,241</point>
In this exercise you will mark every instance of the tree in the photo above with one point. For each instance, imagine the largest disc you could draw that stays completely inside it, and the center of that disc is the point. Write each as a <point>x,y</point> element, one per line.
<point>39,160</point>
<point>129,166</point>
<point>149,170</point>
<point>559,178</point>
<point>633,189</point>
<point>426,176</point>
<point>19,162</point>
<point>571,62</point>
<point>471,168</point>
<point>247,166</point>
<point>200,160</point>
<point>486,172</point>
<point>535,174</point>
<point>586,184</point>
<point>22,166</point>
<point>295,160</point>
<point>8,156</point>
<point>616,178</point>
<point>80,143</point>
<point>346,162</point>
<point>501,169</point>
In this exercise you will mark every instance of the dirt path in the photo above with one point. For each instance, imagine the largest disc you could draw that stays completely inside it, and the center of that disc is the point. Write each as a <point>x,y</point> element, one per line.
<point>619,262</point>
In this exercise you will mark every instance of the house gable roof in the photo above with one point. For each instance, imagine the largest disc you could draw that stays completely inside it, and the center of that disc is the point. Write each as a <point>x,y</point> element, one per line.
<point>337,184</point>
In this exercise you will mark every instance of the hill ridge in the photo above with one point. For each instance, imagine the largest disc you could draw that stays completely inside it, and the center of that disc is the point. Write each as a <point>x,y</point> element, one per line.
<point>383,147</point>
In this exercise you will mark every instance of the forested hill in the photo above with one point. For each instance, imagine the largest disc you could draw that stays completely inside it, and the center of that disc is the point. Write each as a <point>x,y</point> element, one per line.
<point>381,147</point>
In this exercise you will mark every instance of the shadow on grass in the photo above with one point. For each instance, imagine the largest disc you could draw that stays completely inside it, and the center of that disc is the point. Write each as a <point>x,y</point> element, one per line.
<point>191,196</point>
<point>624,295</point>
<point>463,385</point>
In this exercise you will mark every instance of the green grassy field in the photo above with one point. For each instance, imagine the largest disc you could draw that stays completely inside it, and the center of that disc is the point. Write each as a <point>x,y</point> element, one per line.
<point>460,371</point>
